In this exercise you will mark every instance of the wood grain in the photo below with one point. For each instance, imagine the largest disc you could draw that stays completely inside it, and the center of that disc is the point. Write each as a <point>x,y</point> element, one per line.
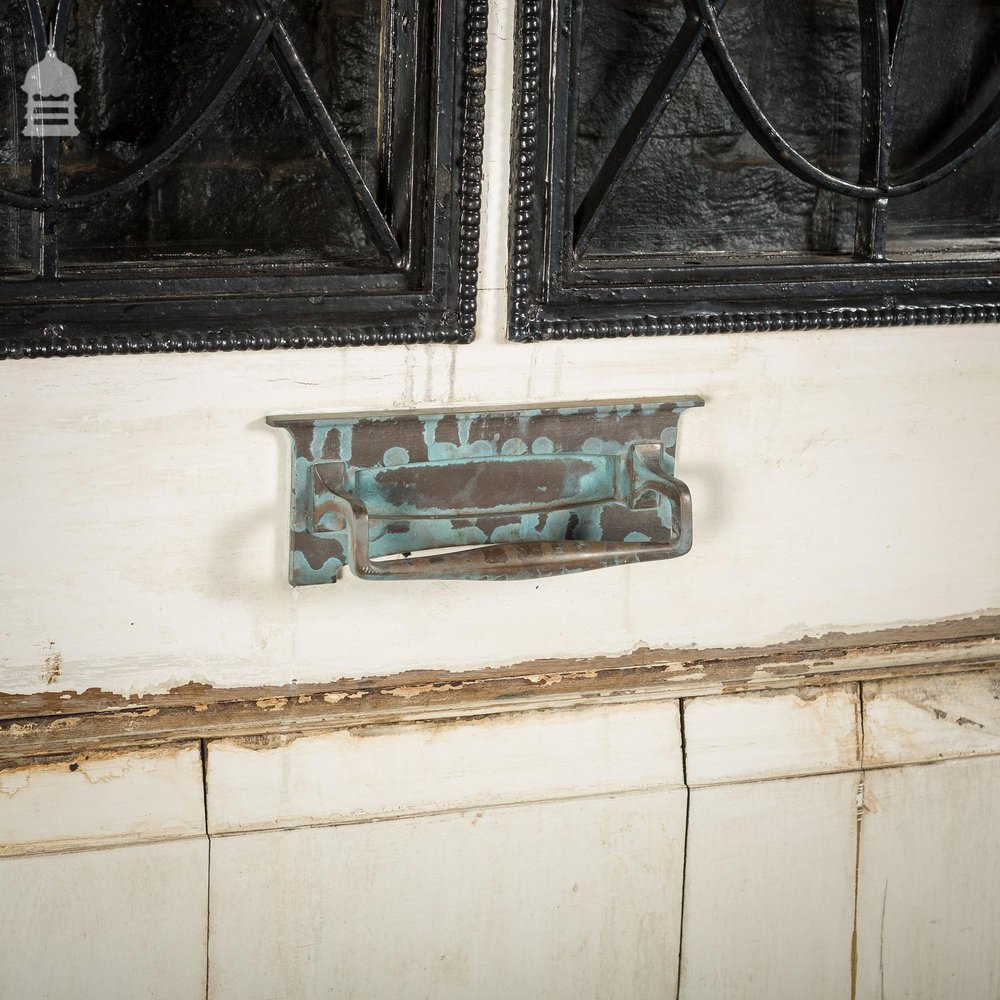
<point>38,725</point>
<point>101,800</point>
<point>775,734</point>
<point>915,719</point>
<point>128,922</point>
<point>376,772</point>
<point>929,881</point>
<point>769,890</point>
<point>574,900</point>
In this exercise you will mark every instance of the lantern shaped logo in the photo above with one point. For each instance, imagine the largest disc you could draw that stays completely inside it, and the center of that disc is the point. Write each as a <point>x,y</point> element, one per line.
<point>51,87</point>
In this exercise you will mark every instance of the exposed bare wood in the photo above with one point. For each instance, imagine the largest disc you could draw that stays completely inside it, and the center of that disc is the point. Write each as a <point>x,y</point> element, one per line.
<point>46,724</point>
<point>102,800</point>
<point>912,720</point>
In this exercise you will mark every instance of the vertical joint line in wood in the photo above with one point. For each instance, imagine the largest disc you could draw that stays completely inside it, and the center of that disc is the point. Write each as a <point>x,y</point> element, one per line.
<point>861,726</point>
<point>203,746</point>
<point>681,703</point>
<point>859,812</point>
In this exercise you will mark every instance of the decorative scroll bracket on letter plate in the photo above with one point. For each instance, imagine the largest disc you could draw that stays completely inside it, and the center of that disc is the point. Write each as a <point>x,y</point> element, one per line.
<point>513,494</point>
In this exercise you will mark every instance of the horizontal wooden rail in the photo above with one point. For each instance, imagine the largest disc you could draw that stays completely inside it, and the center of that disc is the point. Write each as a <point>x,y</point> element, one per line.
<point>55,723</point>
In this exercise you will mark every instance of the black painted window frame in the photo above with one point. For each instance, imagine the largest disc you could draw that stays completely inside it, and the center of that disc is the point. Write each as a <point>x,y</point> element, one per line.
<point>554,295</point>
<point>427,295</point>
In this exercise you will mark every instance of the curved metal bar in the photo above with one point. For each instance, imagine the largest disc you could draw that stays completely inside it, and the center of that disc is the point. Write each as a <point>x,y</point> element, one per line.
<point>28,202</point>
<point>58,39</point>
<point>209,103</point>
<point>36,19</point>
<point>898,35</point>
<point>263,29</point>
<point>969,142</point>
<point>878,102</point>
<point>45,225</point>
<point>984,128</point>
<point>304,91</point>
<point>36,23</point>
<point>982,131</point>
<point>757,123</point>
<point>526,560</point>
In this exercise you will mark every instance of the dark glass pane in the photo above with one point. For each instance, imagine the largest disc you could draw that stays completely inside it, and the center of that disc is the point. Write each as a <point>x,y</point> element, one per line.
<point>15,243</point>
<point>255,185</point>
<point>15,149</point>
<point>340,44</point>
<point>950,68</point>
<point>140,65</point>
<point>702,185</point>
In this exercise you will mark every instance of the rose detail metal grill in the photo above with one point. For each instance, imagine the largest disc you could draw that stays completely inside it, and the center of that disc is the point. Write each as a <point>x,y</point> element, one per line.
<point>238,174</point>
<point>263,29</point>
<point>883,34</point>
<point>711,166</point>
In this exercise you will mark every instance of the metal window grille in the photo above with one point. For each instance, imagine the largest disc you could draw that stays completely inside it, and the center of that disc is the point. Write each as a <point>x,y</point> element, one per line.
<point>237,174</point>
<point>704,166</point>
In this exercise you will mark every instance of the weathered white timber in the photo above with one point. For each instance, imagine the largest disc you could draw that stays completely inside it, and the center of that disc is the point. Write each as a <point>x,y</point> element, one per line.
<point>772,734</point>
<point>808,465</point>
<point>387,771</point>
<point>575,900</point>
<point>769,891</point>
<point>929,882</point>
<point>170,454</point>
<point>143,545</point>
<point>117,924</point>
<point>102,800</point>
<point>931,718</point>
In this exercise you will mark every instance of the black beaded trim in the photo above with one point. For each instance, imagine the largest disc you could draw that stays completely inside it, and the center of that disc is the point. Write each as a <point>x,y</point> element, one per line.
<point>527,43</point>
<point>842,318</point>
<point>471,163</point>
<point>60,345</point>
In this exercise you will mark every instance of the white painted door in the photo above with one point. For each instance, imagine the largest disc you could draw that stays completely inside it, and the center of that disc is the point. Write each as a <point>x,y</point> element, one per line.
<point>843,481</point>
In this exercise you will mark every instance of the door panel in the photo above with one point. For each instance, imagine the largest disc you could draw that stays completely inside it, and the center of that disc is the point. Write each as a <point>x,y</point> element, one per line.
<point>115,923</point>
<point>928,882</point>
<point>818,467</point>
<point>382,772</point>
<point>769,890</point>
<point>568,900</point>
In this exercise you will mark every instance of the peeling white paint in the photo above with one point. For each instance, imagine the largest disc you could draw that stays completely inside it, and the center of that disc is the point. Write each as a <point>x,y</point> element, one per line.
<point>145,501</point>
<point>104,800</point>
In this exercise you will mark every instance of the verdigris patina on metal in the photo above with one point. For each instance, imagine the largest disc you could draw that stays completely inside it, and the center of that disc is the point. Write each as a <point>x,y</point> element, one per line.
<point>525,493</point>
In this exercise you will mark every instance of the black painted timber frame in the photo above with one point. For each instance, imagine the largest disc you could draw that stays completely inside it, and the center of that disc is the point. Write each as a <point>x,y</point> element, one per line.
<point>426,292</point>
<point>555,293</point>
